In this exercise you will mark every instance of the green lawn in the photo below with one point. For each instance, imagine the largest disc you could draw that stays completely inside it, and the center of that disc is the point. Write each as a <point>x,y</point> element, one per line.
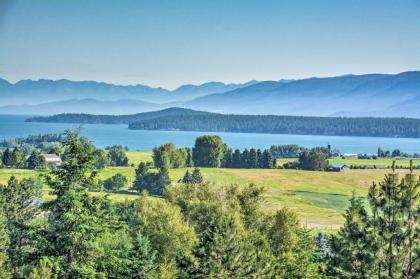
<point>319,198</point>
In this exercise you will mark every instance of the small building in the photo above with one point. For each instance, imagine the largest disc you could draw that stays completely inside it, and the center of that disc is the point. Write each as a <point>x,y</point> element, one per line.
<point>350,155</point>
<point>52,159</point>
<point>338,167</point>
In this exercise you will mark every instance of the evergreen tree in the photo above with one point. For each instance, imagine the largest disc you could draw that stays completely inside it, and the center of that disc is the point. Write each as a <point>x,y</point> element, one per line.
<point>36,161</point>
<point>190,162</point>
<point>4,245</point>
<point>237,159</point>
<point>187,179</point>
<point>245,159</point>
<point>410,246</point>
<point>143,259</point>
<point>161,182</point>
<point>260,158</point>
<point>385,199</point>
<point>267,160</point>
<point>253,159</point>
<point>196,176</point>
<point>227,158</point>
<point>76,219</point>
<point>380,152</point>
<point>221,251</point>
<point>18,159</point>
<point>18,198</point>
<point>356,250</point>
<point>7,158</point>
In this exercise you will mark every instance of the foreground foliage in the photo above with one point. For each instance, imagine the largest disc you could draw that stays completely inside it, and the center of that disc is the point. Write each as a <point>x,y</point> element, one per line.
<point>195,230</point>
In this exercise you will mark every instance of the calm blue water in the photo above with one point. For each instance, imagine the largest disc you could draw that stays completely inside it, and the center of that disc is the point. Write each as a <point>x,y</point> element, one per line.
<point>104,135</point>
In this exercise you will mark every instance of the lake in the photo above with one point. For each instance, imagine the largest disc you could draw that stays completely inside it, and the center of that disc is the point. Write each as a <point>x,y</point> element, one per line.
<point>103,135</point>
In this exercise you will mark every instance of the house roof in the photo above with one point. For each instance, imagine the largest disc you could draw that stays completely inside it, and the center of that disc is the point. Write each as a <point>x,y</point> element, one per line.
<point>51,156</point>
<point>338,165</point>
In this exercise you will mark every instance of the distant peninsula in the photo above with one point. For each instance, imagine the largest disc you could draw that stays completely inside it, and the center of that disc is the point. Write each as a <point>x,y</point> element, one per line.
<point>192,120</point>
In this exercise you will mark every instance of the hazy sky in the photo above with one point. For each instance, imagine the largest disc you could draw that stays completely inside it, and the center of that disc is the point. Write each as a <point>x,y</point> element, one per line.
<point>168,43</point>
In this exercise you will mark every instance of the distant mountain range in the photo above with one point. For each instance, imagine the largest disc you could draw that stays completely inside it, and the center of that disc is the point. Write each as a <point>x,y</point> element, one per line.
<point>371,95</point>
<point>30,92</point>
<point>361,95</point>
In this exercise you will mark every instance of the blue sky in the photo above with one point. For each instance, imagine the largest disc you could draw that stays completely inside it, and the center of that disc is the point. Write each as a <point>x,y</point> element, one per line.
<point>168,43</point>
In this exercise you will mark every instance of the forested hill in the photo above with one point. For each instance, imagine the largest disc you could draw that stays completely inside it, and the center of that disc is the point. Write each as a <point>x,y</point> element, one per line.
<point>192,120</point>
<point>333,126</point>
<point>83,118</point>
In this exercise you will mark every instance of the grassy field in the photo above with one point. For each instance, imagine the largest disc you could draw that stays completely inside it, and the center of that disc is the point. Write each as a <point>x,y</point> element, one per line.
<point>319,198</point>
<point>135,157</point>
<point>387,162</point>
<point>377,162</point>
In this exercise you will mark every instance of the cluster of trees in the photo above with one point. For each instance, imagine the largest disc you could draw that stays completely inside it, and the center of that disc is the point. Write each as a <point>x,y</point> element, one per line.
<point>252,159</point>
<point>315,159</point>
<point>381,241</point>
<point>192,178</point>
<point>115,182</point>
<point>210,151</point>
<point>395,153</point>
<point>47,143</point>
<point>17,159</point>
<point>286,151</point>
<point>117,156</point>
<point>298,125</point>
<point>150,181</point>
<point>168,156</point>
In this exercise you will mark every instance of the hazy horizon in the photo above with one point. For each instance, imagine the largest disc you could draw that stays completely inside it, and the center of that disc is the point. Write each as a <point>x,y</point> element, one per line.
<point>169,44</point>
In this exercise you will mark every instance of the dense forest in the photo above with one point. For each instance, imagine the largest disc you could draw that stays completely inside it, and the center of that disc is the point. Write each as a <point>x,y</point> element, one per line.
<point>190,120</point>
<point>333,126</point>
<point>195,230</point>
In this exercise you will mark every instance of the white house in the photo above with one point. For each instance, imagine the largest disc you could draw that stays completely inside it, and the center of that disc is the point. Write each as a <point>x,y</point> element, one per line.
<point>52,159</point>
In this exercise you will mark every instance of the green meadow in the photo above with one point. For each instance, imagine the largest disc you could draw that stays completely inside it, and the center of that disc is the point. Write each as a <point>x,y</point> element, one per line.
<point>377,162</point>
<point>319,198</point>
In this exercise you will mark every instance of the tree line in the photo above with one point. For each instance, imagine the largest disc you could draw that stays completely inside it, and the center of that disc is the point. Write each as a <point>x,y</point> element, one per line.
<point>299,125</point>
<point>211,151</point>
<point>15,158</point>
<point>48,143</point>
